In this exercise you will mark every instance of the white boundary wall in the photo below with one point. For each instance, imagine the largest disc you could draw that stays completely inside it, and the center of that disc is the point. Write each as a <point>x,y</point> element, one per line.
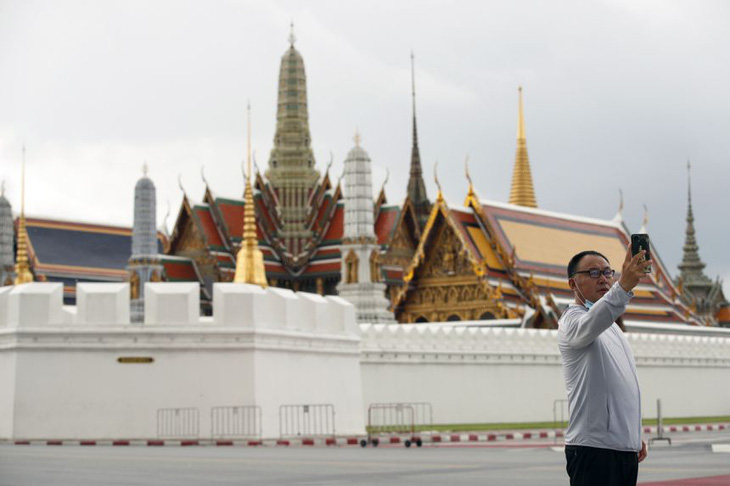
<point>479,375</point>
<point>60,376</point>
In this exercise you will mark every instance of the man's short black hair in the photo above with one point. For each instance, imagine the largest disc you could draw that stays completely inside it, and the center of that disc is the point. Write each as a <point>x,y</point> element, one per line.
<point>573,264</point>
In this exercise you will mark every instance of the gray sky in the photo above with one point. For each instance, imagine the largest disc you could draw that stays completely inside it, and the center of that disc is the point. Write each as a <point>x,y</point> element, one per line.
<point>618,94</point>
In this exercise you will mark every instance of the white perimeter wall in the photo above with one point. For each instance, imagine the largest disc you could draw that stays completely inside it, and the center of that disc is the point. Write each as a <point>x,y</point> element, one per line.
<point>60,376</point>
<point>478,375</point>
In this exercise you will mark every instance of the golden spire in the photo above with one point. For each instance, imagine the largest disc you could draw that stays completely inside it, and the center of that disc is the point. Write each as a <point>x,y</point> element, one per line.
<point>250,260</point>
<point>522,192</point>
<point>22,267</point>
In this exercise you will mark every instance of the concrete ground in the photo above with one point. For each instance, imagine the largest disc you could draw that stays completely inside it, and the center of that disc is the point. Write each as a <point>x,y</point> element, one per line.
<point>519,464</point>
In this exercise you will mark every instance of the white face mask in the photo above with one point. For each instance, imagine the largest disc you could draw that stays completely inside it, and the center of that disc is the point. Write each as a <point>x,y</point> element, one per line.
<point>587,303</point>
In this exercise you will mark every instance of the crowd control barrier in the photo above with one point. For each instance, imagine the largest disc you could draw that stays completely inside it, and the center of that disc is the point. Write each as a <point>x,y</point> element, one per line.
<point>242,422</point>
<point>178,423</point>
<point>395,419</point>
<point>314,420</point>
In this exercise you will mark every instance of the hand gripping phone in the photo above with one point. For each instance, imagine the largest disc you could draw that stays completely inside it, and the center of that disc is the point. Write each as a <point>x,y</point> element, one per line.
<point>640,241</point>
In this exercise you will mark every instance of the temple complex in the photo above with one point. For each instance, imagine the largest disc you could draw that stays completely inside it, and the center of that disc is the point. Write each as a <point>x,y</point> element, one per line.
<point>299,214</point>
<point>294,227</point>
<point>490,260</point>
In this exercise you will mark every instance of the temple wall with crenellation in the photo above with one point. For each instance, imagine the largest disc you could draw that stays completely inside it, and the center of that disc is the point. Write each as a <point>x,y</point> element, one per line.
<point>85,371</point>
<point>483,375</point>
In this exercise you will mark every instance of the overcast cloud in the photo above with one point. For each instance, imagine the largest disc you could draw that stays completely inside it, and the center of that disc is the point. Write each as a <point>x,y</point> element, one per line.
<point>618,94</point>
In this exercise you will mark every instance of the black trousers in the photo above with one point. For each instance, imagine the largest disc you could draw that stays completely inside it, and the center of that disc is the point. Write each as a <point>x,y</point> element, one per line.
<point>590,466</point>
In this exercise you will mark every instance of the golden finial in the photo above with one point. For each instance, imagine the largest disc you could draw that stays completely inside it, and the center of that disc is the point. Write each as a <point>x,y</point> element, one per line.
<point>22,266</point>
<point>521,117</point>
<point>522,192</point>
<point>440,195</point>
<point>145,169</point>
<point>468,175</point>
<point>357,137</point>
<point>249,260</point>
<point>471,194</point>
<point>387,176</point>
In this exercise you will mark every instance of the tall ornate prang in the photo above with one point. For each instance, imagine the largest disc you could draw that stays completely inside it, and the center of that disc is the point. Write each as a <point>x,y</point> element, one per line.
<point>522,192</point>
<point>698,290</point>
<point>291,163</point>
<point>416,186</point>
<point>250,260</point>
<point>22,265</point>
<point>7,240</point>
<point>144,265</point>
<point>361,281</point>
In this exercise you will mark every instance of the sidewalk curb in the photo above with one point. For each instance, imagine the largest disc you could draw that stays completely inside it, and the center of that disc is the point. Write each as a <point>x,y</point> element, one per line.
<point>426,438</point>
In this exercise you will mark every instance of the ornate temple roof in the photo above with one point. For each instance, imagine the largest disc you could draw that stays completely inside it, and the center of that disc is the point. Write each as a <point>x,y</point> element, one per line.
<point>72,252</point>
<point>524,252</point>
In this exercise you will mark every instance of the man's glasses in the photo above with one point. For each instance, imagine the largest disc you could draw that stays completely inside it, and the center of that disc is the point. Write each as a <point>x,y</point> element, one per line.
<point>595,273</point>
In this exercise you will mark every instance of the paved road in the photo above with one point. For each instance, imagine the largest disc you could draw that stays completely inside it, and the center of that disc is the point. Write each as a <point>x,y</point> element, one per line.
<point>456,465</point>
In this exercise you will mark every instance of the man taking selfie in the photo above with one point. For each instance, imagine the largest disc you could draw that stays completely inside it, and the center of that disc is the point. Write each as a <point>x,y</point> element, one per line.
<point>603,444</point>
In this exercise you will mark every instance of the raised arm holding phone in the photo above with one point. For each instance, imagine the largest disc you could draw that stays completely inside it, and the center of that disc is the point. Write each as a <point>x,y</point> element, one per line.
<point>603,444</point>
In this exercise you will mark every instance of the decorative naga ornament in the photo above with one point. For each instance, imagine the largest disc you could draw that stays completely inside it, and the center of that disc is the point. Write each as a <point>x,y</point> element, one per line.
<point>250,260</point>
<point>22,265</point>
<point>522,192</point>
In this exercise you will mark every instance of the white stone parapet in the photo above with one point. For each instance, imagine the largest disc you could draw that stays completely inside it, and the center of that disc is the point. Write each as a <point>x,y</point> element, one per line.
<point>35,304</point>
<point>172,303</point>
<point>102,303</point>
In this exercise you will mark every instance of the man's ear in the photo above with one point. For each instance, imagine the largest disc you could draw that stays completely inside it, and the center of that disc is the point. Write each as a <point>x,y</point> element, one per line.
<point>571,284</point>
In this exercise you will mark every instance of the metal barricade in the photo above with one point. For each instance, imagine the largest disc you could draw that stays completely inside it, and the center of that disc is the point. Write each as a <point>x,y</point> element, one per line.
<point>178,423</point>
<point>422,413</point>
<point>391,418</point>
<point>239,422</point>
<point>558,425</point>
<point>315,420</point>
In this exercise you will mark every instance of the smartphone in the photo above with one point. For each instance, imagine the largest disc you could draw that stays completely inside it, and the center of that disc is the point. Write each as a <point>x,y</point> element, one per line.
<point>640,241</point>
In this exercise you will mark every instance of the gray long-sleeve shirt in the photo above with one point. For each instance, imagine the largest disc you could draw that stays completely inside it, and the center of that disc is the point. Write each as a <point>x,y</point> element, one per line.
<point>600,375</point>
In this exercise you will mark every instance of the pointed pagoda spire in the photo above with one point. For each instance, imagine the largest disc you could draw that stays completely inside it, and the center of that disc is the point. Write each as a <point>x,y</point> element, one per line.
<point>291,171</point>
<point>416,186</point>
<point>522,192</point>
<point>691,266</point>
<point>249,261</point>
<point>22,266</point>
